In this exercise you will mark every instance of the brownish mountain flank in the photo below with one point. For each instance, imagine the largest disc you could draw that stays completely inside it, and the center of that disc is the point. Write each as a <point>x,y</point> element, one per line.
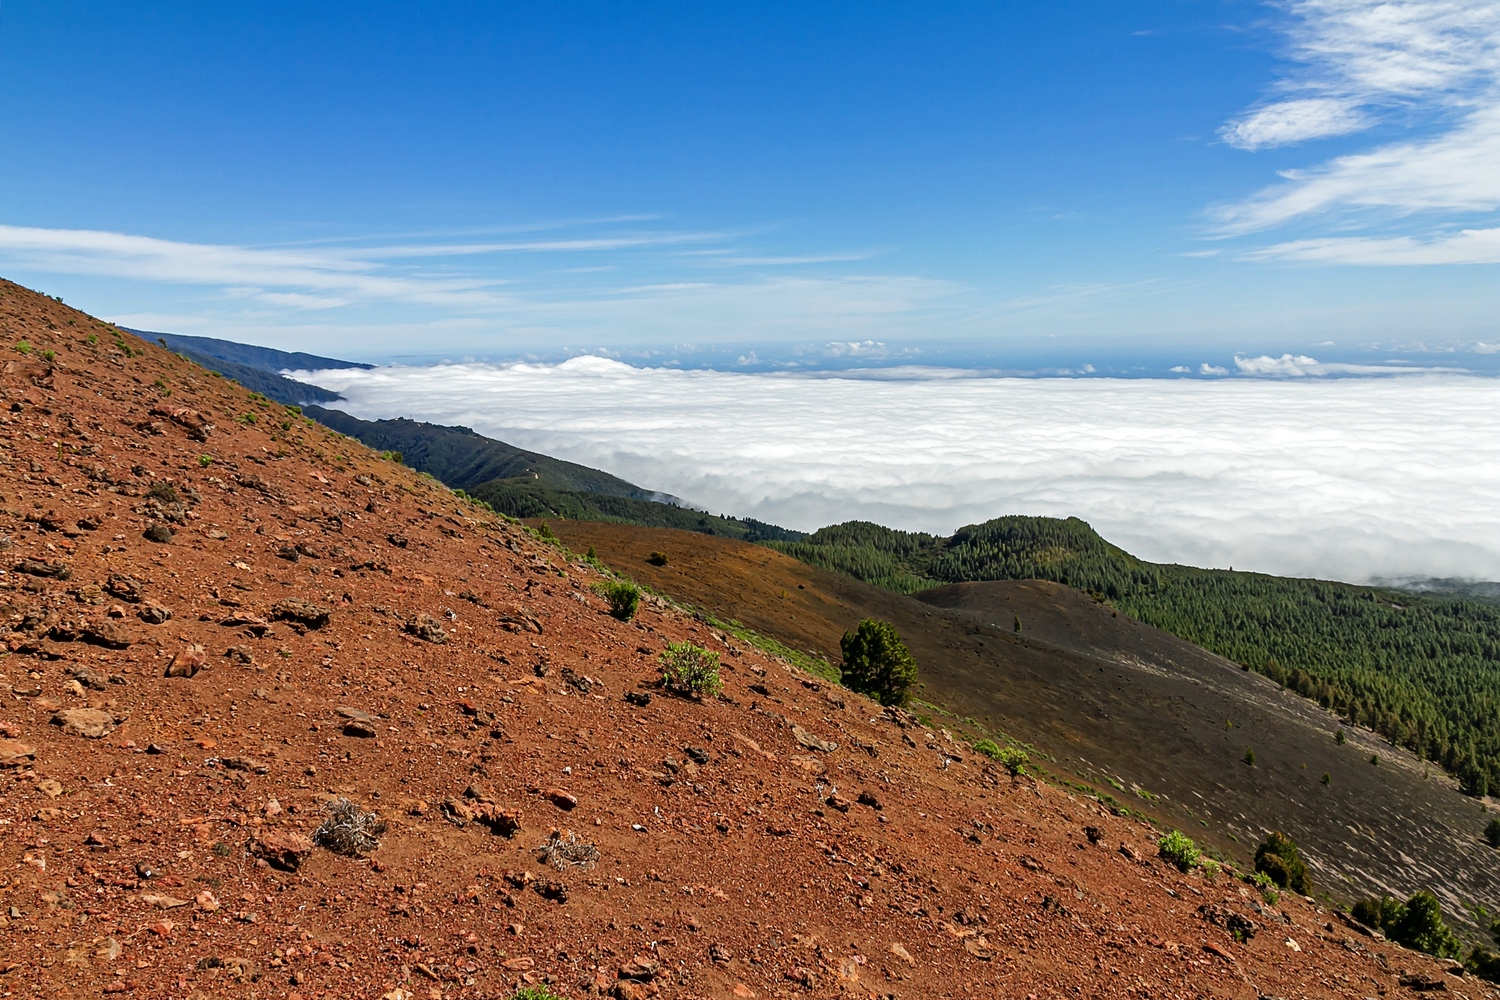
<point>307,624</point>
<point>1118,703</point>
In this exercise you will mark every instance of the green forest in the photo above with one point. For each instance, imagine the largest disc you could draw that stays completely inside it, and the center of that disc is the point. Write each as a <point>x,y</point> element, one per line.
<point>1423,671</point>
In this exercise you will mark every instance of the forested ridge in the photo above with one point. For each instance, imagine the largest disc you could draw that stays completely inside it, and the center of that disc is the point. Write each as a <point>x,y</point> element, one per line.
<point>1422,671</point>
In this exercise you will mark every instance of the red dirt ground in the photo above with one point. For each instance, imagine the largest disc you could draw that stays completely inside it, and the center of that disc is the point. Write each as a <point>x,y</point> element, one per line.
<point>134,834</point>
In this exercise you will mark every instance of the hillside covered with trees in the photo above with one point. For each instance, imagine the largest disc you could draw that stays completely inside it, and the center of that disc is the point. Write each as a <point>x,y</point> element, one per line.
<point>1422,671</point>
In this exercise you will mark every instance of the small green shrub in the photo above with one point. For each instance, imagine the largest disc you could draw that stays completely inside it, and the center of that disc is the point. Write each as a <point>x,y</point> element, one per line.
<point>1492,832</point>
<point>24,346</point>
<point>534,993</point>
<point>1249,757</point>
<point>391,456</point>
<point>204,461</point>
<point>877,662</point>
<point>48,354</point>
<point>1210,867</point>
<point>690,670</point>
<point>624,598</point>
<point>1267,888</point>
<point>248,418</point>
<point>1327,778</point>
<point>1278,858</point>
<point>93,338</point>
<point>545,531</point>
<point>1179,849</point>
<point>657,559</point>
<point>1340,738</point>
<point>1013,759</point>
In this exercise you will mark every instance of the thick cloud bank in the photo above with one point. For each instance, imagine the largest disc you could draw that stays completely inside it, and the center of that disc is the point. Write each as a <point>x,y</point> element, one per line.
<point>1350,479</point>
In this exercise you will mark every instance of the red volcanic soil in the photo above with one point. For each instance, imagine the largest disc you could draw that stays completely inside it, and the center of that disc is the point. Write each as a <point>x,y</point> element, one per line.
<point>321,625</point>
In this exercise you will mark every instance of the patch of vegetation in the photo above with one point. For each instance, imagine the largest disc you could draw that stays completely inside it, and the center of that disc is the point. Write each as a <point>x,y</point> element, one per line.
<point>1178,849</point>
<point>1013,759</point>
<point>657,559</point>
<point>1249,757</point>
<point>1417,669</point>
<point>1492,832</point>
<point>690,670</point>
<point>624,598</point>
<point>24,346</point>
<point>1266,885</point>
<point>807,662</point>
<point>1278,859</point>
<point>1417,923</point>
<point>534,993</point>
<point>877,663</point>
<point>49,354</point>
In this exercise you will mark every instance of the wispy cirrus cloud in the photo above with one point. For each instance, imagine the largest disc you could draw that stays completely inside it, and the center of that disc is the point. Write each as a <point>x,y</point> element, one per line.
<point>670,286</point>
<point>311,278</point>
<point>1428,65</point>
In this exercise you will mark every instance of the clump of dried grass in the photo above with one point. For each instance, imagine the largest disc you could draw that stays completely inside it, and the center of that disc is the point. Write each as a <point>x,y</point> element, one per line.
<point>349,829</point>
<point>567,851</point>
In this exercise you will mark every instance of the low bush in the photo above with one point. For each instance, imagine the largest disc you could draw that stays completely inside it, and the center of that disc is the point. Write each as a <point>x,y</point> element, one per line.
<point>1179,849</point>
<point>1417,924</point>
<point>1013,759</point>
<point>690,670</point>
<point>657,559</point>
<point>624,598</point>
<point>1492,833</point>
<point>1279,860</point>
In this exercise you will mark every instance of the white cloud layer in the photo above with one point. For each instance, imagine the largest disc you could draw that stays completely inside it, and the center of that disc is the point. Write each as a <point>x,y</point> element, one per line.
<point>1432,64</point>
<point>1351,478</point>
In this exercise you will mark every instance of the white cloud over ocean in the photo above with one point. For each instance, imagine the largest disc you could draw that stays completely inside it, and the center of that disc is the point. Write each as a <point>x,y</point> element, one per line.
<point>1350,478</point>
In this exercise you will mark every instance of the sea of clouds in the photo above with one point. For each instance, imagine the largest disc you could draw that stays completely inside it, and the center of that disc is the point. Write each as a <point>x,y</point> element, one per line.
<point>1350,478</point>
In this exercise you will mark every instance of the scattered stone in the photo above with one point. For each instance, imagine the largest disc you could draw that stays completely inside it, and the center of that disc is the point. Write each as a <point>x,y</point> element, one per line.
<point>719,954</point>
<point>245,764</point>
<point>281,848</point>
<point>479,806</point>
<point>837,801</point>
<point>400,541</point>
<point>159,533</point>
<point>50,787</point>
<point>642,968</point>
<point>85,676</point>
<point>124,587</point>
<point>90,723</point>
<point>360,730</point>
<point>154,614</point>
<point>426,628</point>
<point>187,662</point>
<point>1238,925</point>
<point>240,654</point>
<point>561,799</point>
<point>14,753</point>
<point>638,698</point>
<point>162,902</point>
<point>90,593</point>
<point>867,798</point>
<point>978,947</point>
<point>899,950</point>
<point>53,570</point>
<point>305,613</point>
<point>1419,983</point>
<point>696,755</point>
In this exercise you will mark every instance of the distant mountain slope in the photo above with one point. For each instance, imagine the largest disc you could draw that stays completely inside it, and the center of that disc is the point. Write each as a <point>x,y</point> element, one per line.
<point>463,460</point>
<point>526,498</point>
<point>278,387</point>
<point>1422,671</point>
<point>266,359</point>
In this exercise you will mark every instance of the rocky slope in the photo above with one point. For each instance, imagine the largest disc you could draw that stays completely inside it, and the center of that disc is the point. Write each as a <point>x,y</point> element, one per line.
<point>221,619</point>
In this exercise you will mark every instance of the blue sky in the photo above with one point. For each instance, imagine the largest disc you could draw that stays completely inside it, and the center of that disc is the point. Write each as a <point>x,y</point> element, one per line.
<point>1014,181</point>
